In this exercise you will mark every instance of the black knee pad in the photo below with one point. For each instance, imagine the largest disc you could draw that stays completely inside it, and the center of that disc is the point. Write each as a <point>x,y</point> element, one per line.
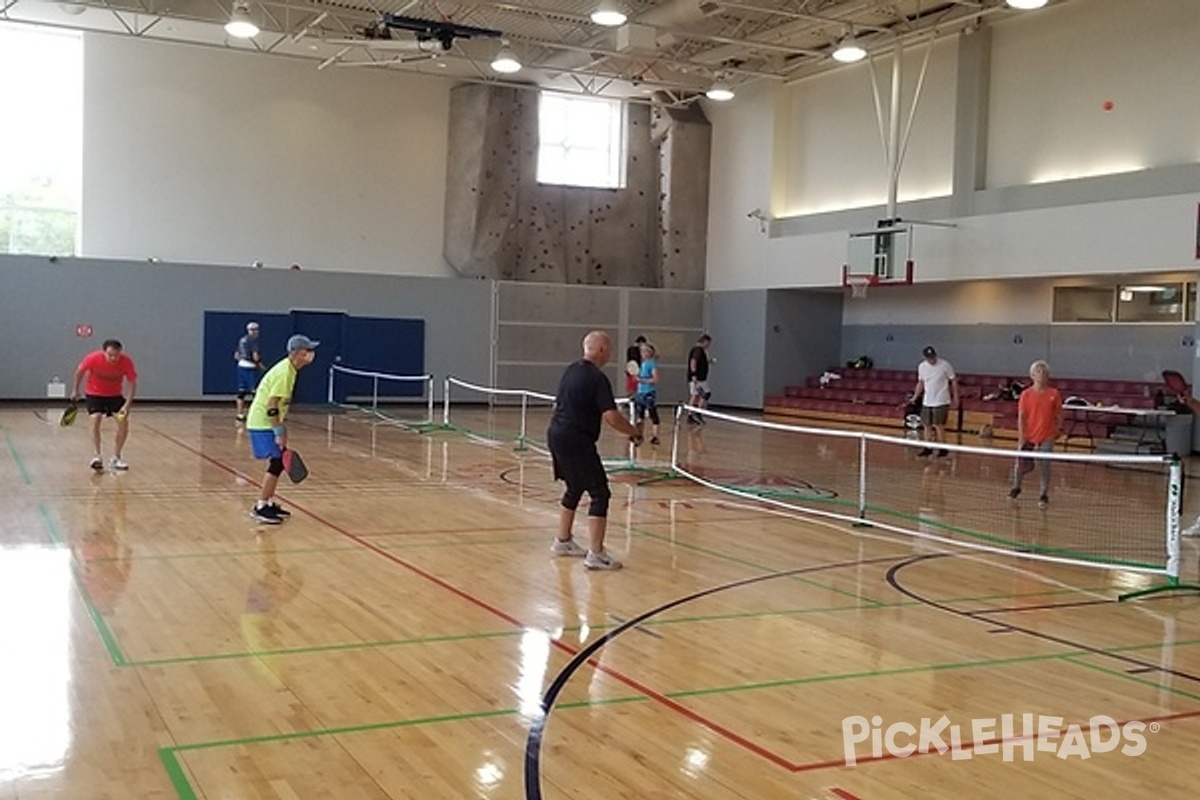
<point>599,505</point>
<point>706,395</point>
<point>571,498</point>
<point>275,467</point>
<point>241,395</point>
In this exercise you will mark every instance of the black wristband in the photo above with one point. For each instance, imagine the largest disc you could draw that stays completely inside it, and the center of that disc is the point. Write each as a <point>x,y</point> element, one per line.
<point>272,412</point>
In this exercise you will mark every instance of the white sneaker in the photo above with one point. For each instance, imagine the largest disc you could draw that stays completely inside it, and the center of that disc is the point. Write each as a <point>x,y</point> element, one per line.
<point>117,463</point>
<point>97,464</point>
<point>1192,530</point>
<point>601,560</point>
<point>568,548</point>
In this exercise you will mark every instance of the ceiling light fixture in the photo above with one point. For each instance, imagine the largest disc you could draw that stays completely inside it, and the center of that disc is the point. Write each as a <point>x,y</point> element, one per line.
<point>719,91</point>
<point>240,25</point>
<point>505,62</point>
<point>1026,5</point>
<point>609,15</point>
<point>849,51</point>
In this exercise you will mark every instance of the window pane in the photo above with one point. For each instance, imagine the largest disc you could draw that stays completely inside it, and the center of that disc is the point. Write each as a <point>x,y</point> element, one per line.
<point>582,141</point>
<point>41,139</point>
<point>1083,304</point>
<point>1150,303</point>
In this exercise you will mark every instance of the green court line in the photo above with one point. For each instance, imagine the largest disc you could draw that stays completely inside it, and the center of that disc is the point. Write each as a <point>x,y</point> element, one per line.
<point>16,457</point>
<point>221,554</point>
<point>823,609</point>
<point>348,729</point>
<point>105,633</point>
<point>183,787</point>
<point>989,662</point>
<point>1134,678</point>
<point>743,562</point>
<point>423,640</point>
<point>179,779</point>
<point>169,755</point>
<point>322,648</point>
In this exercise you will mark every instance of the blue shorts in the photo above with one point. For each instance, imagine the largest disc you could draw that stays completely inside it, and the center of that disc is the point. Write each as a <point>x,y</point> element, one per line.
<point>247,378</point>
<point>263,444</point>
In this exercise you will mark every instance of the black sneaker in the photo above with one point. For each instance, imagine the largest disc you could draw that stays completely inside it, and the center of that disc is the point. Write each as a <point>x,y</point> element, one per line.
<point>925,452</point>
<point>280,511</point>
<point>653,440</point>
<point>943,453</point>
<point>1014,493</point>
<point>266,515</point>
<point>1043,501</point>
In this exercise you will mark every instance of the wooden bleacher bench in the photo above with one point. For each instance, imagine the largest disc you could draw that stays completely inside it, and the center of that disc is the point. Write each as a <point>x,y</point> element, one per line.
<point>873,397</point>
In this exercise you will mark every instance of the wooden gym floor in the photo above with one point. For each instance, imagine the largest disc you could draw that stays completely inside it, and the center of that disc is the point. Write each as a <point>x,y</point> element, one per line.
<point>398,636</point>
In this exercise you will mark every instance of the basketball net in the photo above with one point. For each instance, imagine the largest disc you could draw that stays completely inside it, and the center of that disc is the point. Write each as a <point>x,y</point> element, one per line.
<point>858,285</point>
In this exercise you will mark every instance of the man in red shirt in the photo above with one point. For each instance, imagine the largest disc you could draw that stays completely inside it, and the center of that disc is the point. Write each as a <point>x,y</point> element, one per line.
<point>1039,419</point>
<point>107,369</point>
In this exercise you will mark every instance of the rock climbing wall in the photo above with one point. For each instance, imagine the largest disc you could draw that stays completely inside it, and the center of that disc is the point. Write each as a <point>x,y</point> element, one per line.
<point>502,224</point>
<point>684,140</point>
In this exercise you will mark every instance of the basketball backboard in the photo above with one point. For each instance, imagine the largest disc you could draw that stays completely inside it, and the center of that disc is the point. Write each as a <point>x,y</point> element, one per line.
<point>883,255</point>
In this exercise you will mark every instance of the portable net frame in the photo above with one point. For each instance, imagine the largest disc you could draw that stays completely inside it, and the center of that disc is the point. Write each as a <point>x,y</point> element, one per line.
<point>405,400</point>
<point>1117,512</point>
<point>519,417</point>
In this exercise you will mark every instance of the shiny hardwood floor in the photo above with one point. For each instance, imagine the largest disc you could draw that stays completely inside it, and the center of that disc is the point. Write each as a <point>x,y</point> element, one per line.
<point>405,632</point>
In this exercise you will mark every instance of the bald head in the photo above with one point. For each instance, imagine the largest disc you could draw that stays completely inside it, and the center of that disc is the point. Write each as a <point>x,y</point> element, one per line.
<point>597,348</point>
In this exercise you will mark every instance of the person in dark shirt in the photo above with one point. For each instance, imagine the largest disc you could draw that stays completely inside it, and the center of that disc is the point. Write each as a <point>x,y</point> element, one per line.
<point>697,377</point>
<point>584,401</point>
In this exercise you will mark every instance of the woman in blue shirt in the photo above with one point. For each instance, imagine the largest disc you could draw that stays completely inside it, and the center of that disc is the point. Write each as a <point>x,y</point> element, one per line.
<point>645,402</point>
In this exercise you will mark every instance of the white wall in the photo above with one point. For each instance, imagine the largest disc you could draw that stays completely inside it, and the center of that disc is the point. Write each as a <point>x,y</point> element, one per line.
<point>205,156</point>
<point>1053,71</point>
<point>834,153</point>
<point>1045,120</point>
<point>745,149</point>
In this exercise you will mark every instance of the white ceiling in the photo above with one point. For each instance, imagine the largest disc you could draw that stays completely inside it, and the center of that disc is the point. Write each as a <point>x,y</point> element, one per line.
<point>669,49</point>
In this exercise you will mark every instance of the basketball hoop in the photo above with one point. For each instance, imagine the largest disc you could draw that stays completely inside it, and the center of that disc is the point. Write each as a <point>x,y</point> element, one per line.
<point>858,285</point>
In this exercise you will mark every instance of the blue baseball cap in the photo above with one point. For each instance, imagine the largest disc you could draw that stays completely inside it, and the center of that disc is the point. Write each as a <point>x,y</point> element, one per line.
<point>301,342</point>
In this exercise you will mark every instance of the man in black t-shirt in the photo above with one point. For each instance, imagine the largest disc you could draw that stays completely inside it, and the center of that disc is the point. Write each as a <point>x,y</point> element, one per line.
<point>697,376</point>
<point>584,400</point>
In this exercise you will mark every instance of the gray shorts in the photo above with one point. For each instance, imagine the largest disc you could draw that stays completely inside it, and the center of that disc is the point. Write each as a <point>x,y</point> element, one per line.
<point>935,415</point>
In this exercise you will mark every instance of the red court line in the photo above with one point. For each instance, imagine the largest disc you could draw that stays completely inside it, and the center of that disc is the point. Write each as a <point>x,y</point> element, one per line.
<point>843,794</point>
<point>840,763</point>
<point>480,603</point>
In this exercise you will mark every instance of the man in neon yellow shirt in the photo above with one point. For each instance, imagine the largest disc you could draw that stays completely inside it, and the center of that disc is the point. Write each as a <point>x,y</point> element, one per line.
<point>268,437</point>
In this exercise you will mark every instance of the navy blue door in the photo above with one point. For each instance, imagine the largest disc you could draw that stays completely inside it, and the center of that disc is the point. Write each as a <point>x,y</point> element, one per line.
<point>327,328</point>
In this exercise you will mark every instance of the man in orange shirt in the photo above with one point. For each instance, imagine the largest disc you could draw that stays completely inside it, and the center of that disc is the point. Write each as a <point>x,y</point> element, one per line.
<point>1039,419</point>
<point>107,369</point>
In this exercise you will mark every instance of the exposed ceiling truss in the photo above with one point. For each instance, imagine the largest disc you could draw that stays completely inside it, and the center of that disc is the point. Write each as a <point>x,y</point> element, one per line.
<point>669,49</point>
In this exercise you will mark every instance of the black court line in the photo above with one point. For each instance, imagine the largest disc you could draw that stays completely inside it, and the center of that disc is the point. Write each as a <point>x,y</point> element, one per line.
<point>1040,607</point>
<point>893,580</point>
<point>537,729</point>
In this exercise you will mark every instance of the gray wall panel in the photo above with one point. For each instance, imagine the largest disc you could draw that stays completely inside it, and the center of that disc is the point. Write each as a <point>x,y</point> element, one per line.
<point>803,335</point>
<point>157,311</point>
<point>737,325</point>
<point>542,302</point>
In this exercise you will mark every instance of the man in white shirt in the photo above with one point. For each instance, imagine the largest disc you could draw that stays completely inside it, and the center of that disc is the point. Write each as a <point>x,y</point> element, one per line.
<point>937,389</point>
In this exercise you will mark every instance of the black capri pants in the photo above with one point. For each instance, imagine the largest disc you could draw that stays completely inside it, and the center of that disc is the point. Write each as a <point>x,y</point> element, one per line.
<point>577,463</point>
